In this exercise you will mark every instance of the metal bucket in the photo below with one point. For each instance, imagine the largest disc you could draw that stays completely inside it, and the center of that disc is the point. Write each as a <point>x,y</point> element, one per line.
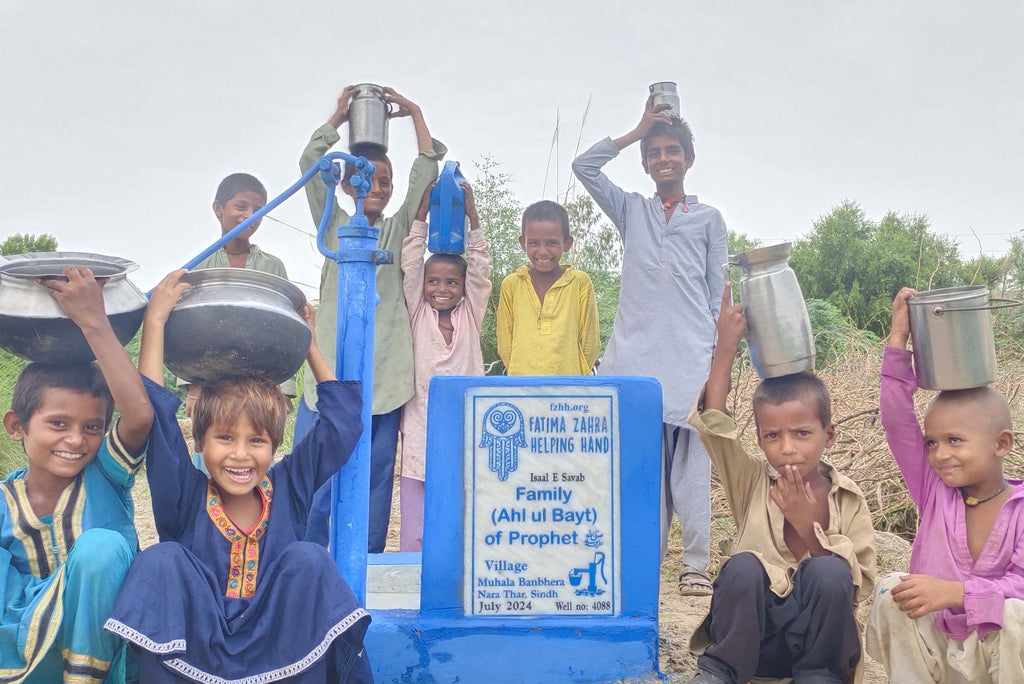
<point>368,114</point>
<point>32,324</point>
<point>954,347</point>
<point>665,92</point>
<point>778,327</point>
<point>233,323</point>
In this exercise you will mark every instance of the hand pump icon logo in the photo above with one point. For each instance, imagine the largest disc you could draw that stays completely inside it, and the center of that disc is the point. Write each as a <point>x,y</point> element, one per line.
<point>503,435</point>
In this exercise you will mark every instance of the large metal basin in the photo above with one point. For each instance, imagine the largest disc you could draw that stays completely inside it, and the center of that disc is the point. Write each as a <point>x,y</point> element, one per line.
<point>32,324</point>
<point>234,322</point>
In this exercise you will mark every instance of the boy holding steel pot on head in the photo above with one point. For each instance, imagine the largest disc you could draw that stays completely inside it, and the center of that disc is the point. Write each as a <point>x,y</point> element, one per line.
<point>958,616</point>
<point>673,251</point>
<point>784,602</point>
<point>392,344</point>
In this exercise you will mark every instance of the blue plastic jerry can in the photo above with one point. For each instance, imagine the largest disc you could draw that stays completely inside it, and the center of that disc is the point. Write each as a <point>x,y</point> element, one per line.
<point>447,212</point>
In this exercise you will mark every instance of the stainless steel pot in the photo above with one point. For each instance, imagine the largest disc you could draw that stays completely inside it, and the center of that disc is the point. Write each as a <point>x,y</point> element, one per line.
<point>954,347</point>
<point>368,114</point>
<point>234,322</point>
<point>778,327</point>
<point>665,93</point>
<point>32,324</point>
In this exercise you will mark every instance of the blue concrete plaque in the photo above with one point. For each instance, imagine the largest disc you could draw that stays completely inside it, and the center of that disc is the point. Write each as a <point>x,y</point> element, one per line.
<point>541,536</point>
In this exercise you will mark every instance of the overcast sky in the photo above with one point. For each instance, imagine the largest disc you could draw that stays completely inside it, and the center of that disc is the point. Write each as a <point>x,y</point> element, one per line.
<point>119,118</point>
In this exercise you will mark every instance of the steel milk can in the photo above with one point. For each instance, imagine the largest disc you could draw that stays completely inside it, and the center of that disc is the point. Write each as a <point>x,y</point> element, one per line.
<point>778,327</point>
<point>368,114</point>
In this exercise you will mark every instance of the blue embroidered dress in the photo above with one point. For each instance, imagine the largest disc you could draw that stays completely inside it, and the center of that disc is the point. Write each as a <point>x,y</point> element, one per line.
<point>213,603</point>
<point>60,574</point>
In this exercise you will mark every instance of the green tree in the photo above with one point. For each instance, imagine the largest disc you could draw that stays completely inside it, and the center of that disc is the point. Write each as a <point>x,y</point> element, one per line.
<point>597,251</point>
<point>1015,265</point>
<point>500,213</point>
<point>21,243</point>
<point>989,271</point>
<point>858,265</point>
<point>596,246</point>
<point>741,242</point>
<point>12,456</point>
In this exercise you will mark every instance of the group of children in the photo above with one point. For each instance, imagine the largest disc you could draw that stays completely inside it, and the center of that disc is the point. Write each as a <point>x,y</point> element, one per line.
<point>784,603</point>
<point>241,559</point>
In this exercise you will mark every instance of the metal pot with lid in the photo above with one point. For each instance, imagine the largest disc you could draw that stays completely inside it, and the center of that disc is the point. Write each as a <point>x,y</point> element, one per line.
<point>32,323</point>
<point>234,322</point>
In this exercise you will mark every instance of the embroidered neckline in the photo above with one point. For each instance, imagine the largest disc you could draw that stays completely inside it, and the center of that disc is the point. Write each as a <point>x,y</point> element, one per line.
<point>244,561</point>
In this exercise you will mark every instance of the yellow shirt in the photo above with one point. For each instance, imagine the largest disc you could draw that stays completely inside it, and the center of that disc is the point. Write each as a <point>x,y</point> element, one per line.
<point>562,337</point>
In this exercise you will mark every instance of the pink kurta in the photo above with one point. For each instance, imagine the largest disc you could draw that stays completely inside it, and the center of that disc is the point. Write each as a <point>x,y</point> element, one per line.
<point>431,354</point>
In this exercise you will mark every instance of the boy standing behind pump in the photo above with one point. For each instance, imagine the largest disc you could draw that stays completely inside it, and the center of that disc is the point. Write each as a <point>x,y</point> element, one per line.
<point>392,341</point>
<point>673,252</point>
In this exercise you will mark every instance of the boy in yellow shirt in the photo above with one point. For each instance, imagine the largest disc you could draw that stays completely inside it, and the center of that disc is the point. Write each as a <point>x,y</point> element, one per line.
<point>547,312</point>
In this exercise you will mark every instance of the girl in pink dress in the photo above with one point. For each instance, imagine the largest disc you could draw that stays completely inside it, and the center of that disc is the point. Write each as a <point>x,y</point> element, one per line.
<point>447,298</point>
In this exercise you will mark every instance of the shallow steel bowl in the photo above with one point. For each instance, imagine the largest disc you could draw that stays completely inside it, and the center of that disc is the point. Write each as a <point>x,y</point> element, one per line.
<point>32,324</point>
<point>234,322</point>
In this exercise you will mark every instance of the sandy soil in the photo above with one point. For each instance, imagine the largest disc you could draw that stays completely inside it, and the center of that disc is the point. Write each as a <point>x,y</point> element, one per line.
<point>678,615</point>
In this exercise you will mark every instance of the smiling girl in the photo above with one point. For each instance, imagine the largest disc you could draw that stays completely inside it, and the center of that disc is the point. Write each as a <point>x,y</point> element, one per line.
<point>231,575</point>
<point>447,299</point>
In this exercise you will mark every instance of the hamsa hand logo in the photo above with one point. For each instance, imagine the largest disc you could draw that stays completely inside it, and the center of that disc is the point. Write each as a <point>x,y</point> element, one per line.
<point>503,435</point>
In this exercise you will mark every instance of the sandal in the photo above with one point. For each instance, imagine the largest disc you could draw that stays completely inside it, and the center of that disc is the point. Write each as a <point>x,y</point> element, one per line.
<point>693,582</point>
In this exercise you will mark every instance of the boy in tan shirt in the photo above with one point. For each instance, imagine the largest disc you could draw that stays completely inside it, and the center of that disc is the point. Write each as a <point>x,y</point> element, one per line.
<point>783,604</point>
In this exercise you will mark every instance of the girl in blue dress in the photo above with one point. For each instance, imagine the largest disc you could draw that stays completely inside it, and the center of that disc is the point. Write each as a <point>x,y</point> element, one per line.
<point>231,593</point>
<point>67,534</point>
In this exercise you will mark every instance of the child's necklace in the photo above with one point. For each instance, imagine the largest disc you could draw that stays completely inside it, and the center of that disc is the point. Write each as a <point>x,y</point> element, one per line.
<point>669,203</point>
<point>442,326</point>
<point>973,501</point>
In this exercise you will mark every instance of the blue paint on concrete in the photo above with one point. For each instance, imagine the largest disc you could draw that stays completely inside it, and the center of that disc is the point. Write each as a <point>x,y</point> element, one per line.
<point>440,643</point>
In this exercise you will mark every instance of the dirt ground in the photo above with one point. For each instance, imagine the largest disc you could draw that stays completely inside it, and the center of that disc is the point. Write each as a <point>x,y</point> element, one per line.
<point>678,615</point>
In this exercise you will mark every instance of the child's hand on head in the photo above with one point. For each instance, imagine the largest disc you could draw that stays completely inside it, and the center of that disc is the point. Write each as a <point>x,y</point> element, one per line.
<point>900,331</point>
<point>653,113</point>
<point>795,497</point>
<point>474,218</point>
<point>923,594</point>
<point>81,296</point>
<point>165,296</point>
<point>732,324</point>
<point>424,208</point>
<point>406,107</point>
<point>340,115</point>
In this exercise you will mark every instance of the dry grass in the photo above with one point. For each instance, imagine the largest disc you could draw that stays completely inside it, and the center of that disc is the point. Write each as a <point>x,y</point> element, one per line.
<point>860,450</point>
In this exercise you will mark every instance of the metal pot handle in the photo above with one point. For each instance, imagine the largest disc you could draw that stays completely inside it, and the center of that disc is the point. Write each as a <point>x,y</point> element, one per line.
<point>1003,304</point>
<point>388,105</point>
